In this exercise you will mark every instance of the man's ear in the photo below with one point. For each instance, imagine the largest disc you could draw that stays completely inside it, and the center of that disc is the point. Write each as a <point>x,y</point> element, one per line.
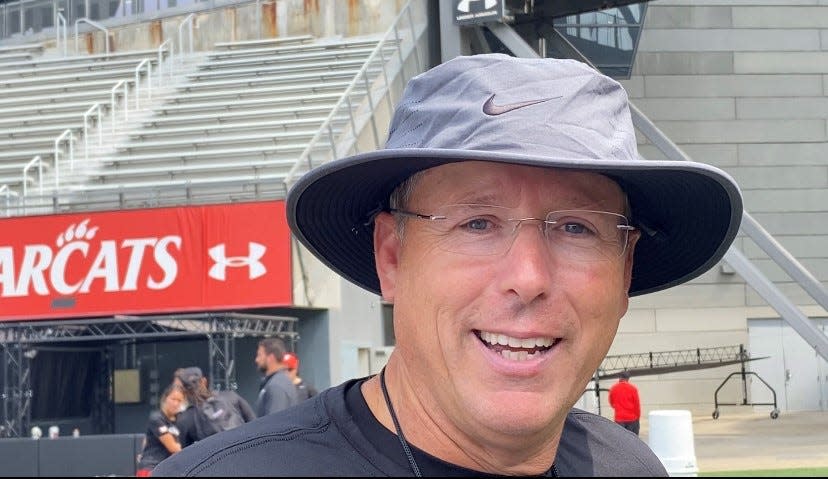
<point>386,253</point>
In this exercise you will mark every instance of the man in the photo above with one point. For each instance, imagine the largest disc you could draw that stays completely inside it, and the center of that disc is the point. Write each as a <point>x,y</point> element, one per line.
<point>623,397</point>
<point>305,390</point>
<point>277,391</point>
<point>508,219</point>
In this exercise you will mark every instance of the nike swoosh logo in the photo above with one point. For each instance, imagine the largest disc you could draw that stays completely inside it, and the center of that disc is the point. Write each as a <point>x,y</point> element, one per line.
<point>491,109</point>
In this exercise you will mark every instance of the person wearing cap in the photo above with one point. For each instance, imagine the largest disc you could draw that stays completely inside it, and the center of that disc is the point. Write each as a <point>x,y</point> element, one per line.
<point>508,219</point>
<point>626,403</point>
<point>276,391</point>
<point>305,390</point>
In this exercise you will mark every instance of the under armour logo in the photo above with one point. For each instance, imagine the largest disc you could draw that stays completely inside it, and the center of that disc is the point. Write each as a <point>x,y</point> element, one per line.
<point>255,251</point>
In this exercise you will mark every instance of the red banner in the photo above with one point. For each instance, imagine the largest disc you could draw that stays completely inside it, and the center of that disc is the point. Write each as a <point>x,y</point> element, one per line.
<point>193,258</point>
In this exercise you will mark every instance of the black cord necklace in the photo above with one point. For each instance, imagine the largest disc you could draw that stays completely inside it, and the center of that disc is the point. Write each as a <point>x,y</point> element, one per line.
<point>416,469</point>
<point>403,442</point>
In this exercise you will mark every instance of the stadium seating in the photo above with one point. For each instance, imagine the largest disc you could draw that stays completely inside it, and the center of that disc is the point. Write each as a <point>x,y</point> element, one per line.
<point>17,53</point>
<point>249,111</point>
<point>42,96</point>
<point>241,118</point>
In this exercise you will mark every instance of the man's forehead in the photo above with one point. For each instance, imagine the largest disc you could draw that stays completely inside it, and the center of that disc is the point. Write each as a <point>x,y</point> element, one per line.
<point>504,183</point>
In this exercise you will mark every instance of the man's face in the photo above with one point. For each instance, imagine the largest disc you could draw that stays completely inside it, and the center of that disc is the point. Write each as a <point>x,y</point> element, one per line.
<point>450,307</point>
<point>262,359</point>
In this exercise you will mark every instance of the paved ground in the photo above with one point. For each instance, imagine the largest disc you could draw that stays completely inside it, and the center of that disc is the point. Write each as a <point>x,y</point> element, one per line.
<point>743,440</point>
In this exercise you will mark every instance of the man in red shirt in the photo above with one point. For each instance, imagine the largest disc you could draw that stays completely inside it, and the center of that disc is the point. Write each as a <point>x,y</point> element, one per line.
<point>623,397</point>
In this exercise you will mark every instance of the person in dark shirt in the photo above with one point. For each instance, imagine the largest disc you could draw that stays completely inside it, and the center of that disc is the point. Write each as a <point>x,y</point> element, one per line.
<point>508,220</point>
<point>277,391</point>
<point>161,438</point>
<point>196,389</point>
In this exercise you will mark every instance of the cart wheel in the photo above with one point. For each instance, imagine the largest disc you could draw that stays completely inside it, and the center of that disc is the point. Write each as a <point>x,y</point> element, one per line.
<point>774,414</point>
<point>716,414</point>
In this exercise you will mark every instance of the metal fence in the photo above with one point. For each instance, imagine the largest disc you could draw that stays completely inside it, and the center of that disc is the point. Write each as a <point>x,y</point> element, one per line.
<point>31,20</point>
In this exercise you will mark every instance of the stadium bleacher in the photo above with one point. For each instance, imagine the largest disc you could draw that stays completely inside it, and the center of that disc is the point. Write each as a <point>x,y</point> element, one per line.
<point>248,111</point>
<point>240,117</point>
<point>43,96</point>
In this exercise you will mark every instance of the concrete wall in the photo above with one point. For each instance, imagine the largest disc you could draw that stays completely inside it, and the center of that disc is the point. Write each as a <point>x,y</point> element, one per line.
<point>742,85</point>
<point>276,18</point>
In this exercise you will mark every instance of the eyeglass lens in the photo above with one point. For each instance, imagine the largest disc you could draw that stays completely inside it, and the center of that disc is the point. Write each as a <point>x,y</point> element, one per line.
<point>482,230</point>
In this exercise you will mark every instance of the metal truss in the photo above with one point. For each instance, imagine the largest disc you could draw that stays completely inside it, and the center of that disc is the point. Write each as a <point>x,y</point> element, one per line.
<point>17,391</point>
<point>220,329</point>
<point>663,362</point>
<point>660,362</point>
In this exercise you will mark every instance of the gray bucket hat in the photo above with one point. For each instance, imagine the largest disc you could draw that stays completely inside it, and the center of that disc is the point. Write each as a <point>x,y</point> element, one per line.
<point>538,112</point>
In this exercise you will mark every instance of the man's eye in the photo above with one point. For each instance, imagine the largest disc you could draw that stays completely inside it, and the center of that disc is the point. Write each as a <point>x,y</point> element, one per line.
<point>476,224</point>
<point>575,228</point>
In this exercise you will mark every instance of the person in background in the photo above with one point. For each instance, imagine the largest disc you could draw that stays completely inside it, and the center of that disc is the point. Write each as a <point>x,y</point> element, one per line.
<point>191,424</point>
<point>277,391</point>
<point>508,220</point>
<point>239,403</point>
<point>161,438</point>
<point>624,399</point>
<point>306,391</point>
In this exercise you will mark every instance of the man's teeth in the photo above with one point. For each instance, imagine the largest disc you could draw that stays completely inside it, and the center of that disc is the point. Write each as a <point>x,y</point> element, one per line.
<point>517,355</point>
<point>516,349</point>
<point>526,343</point>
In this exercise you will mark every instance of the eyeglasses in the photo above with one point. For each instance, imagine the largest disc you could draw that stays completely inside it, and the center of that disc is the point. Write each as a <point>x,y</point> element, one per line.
<point>485,230</point>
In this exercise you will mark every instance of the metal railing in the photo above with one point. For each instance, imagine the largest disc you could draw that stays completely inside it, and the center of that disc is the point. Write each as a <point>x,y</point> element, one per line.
<point>27,18</point>
<point>165,46</point>
<point>71,152</point>
<point>96,25</point>
<point>188,22</point>
<point>93,109</point>
<point>258,19</point>
<point>113,103</point>
<point>60,34</point>
<point>364,79</point>
<point>8,193</point>
<point>36,161</point>
<point>145,63</point>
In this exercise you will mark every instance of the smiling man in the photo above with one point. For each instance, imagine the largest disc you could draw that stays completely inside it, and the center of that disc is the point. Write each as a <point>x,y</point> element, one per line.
<point>508,220</point>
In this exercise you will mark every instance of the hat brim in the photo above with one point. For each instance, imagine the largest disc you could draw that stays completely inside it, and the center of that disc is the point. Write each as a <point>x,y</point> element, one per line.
<point>689,212</point>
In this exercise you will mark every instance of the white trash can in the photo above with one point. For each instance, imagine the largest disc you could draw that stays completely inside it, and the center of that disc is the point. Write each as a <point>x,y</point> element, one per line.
<point>670,437</point>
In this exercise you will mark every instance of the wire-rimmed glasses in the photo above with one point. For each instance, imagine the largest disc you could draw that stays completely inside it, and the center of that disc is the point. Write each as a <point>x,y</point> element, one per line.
<point>485,230</point>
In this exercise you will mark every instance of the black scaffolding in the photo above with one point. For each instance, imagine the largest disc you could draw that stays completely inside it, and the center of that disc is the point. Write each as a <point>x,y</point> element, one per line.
<point>17,341</point>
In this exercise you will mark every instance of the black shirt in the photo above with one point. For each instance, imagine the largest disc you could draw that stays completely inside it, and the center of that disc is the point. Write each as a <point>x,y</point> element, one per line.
<point>305,390</point>
<point>154,451</point>
<point>186,422</point>
<point>335,434</point>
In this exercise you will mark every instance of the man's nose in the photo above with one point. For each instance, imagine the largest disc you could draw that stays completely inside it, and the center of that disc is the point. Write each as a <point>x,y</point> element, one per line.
<point>530,271</point>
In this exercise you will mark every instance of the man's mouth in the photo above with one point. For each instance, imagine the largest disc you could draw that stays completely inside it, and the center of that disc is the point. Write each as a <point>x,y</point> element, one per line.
<point>516,349</point>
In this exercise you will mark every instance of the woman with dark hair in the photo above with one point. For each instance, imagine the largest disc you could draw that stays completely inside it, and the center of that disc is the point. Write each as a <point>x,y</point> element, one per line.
<point>208,411</point>
<point>161,439</point>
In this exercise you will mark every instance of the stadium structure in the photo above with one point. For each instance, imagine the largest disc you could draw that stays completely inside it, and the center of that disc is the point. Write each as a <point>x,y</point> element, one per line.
<point>146,148</point>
